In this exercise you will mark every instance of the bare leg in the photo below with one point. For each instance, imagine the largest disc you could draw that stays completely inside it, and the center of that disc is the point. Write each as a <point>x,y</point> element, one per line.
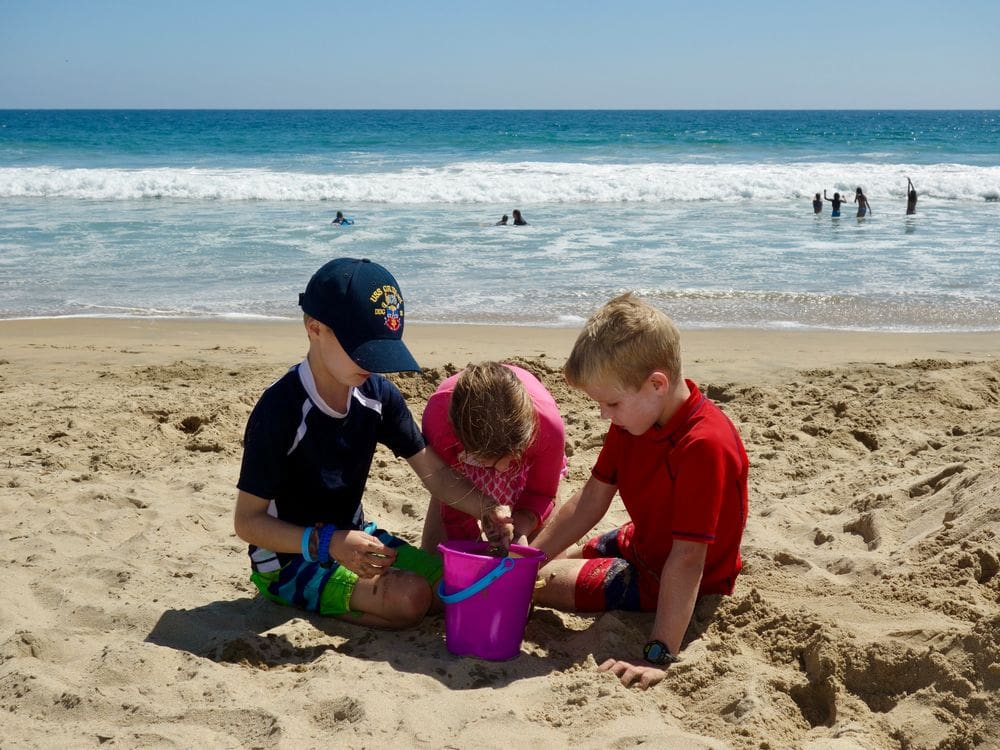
<point>395,599</point>
<point>559,590</point>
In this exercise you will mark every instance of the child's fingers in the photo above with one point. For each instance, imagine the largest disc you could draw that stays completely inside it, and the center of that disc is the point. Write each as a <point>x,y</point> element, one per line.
<point>371,557</point>
<point>373,546</point>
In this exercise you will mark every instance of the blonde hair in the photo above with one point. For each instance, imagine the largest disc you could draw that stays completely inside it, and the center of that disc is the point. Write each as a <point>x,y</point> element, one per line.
<point>491,412</point>
<point>623,343</point>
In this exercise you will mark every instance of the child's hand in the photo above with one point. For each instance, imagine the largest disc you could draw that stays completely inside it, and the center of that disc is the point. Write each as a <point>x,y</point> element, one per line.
<point>640,674</point>
<point>362,553</point>
<point>497,525</point>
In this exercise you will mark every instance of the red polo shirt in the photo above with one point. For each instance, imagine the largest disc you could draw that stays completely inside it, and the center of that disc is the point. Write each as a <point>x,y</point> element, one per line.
<point>685,480</point>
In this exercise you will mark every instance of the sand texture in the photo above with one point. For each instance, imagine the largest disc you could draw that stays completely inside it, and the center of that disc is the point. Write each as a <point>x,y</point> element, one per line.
<point>868,614</point>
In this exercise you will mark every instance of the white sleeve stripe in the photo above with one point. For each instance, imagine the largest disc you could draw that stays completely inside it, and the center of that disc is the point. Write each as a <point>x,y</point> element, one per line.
<point>370,403</point>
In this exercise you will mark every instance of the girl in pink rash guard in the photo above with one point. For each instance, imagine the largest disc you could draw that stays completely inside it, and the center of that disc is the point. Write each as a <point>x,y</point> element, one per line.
<point>498,426</point>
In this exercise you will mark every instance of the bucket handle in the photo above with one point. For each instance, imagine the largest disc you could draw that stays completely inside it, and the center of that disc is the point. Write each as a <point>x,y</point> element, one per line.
<point>506,564</point>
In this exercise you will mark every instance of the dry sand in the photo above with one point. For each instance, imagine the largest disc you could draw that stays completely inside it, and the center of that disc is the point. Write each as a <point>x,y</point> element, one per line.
<point>867,615</point>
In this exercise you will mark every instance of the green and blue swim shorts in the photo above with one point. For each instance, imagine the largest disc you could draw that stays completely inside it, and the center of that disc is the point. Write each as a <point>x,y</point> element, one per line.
<point>327,589</point>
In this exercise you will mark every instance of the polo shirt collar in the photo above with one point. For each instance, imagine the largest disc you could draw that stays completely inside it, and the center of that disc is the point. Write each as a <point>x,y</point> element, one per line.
<point>681,416</point>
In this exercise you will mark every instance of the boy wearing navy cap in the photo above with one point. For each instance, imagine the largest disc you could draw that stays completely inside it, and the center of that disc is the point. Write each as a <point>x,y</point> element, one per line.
<point>308,448</point>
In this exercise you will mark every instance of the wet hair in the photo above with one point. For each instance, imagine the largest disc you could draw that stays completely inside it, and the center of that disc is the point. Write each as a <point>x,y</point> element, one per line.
<point>836,195</point>
<point>817,196</point>
<point>517,212</point>
<point>340,214</point>
<point>859,190</point>
<point>491,412</point>
<point>622,344</point>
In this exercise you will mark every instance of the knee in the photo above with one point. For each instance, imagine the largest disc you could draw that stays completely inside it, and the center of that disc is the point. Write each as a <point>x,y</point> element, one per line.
<point>411,599</point>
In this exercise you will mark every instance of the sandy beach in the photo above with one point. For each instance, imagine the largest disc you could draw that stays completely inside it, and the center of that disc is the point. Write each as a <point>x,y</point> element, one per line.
<point>867,616</point>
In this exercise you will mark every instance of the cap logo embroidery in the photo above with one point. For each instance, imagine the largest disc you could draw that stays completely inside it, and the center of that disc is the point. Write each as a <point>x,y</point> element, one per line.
<point>388,303</point>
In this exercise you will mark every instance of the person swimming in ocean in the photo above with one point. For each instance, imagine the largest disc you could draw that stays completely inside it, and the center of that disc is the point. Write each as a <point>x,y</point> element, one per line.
<point>863,206</point>
<point>341,220</point>
<point>518,221</point>
<point>836,200</point>
<point>817,204</point>
<point>502,222</point>
<point>911,198</point>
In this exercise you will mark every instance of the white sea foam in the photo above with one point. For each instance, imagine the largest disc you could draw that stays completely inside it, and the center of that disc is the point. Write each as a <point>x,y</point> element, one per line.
<point>754,263</point>
<point>523,183</point>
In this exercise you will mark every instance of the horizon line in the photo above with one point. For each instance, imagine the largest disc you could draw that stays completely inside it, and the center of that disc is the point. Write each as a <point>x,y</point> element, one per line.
<point>499,109</point>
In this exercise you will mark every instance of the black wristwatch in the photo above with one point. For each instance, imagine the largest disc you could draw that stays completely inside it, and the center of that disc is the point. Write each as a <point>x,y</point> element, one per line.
<point>656,652</point>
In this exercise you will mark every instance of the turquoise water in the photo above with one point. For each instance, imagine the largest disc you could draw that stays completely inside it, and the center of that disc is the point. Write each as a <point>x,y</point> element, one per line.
<point>226,213</point>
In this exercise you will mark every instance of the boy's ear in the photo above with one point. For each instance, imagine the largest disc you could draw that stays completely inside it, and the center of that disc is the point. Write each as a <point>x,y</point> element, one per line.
<point>659,380</point>
<point>312,326</point>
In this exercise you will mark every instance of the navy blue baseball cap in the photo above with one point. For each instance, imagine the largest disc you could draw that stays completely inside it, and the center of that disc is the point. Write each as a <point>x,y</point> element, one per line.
<point>361,302</point>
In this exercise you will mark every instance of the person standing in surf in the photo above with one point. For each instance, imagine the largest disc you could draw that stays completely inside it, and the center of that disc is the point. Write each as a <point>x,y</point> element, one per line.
<point>836,200</point>
<point>863,206</point>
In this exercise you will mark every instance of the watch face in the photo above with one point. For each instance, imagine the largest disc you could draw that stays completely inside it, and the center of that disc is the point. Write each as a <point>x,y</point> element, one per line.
<point>655,652</point>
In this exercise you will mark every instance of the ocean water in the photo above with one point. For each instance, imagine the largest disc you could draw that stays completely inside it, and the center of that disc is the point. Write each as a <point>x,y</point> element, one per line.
<point>225,214</point>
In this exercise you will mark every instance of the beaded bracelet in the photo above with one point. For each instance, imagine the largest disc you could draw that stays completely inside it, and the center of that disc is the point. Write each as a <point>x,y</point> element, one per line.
<point>325,535</point>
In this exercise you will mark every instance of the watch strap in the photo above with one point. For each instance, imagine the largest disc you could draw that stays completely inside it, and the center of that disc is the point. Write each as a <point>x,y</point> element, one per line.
<point>656,652</point>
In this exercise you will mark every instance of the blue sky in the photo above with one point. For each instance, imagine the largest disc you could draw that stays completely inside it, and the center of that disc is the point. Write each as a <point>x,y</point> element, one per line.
<point>431,54</point>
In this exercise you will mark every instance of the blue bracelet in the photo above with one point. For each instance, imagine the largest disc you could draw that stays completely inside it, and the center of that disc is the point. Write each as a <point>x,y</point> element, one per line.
<point>306,536</point>
<point>325,535</point>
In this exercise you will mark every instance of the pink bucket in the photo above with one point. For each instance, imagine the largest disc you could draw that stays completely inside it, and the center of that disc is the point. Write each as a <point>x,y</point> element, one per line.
<point>486,599</point>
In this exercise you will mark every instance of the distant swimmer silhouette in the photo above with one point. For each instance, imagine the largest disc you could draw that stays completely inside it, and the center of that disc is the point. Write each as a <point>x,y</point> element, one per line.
<point>341,220</point>
<point>863,206</point>
<point>502,222</point>
<point>836,200</point>
<point>817,204</point>
<point>911,197</point>
<point>518,221</point>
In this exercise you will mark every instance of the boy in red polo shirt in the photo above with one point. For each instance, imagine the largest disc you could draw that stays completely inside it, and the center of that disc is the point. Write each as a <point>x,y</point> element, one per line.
<point>681,469</point>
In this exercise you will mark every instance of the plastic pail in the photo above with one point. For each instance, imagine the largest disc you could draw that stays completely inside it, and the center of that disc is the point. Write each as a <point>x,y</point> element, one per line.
<point>486,599</point>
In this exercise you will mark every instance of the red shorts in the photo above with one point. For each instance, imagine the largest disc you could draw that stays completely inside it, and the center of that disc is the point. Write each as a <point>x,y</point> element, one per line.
<point>613,578</point>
